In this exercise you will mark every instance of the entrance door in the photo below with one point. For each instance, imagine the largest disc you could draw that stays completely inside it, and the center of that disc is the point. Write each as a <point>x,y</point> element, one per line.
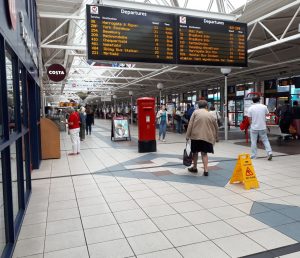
<point>235,111</point>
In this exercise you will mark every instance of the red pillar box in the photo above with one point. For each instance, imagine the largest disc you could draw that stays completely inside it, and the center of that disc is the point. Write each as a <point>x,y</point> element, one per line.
<point>146,124</point>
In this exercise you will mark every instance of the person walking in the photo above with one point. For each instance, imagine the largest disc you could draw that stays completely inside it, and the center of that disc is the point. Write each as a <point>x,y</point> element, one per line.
<point>285,117</point>
<point>82,115</point>
<point>296,117</point>
<point>203,132</point>
<point>178,119</point>
<point>74,128</point>
<point>257,118</point>
<point>190,111</point>
<point>162,121</point>
<point>215,114</point>
<point>89,120</point>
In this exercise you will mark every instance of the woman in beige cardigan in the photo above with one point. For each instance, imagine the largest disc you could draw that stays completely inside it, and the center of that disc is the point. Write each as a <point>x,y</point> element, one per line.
<point>203,132</point>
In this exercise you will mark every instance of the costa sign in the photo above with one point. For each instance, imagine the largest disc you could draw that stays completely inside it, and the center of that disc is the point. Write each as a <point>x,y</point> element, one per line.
<point>12,13</point>
<point>56,72</point>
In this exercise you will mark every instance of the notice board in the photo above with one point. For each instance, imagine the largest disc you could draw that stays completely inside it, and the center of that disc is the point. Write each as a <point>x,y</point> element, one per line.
<point>128,35</point>
<point>120,129</point>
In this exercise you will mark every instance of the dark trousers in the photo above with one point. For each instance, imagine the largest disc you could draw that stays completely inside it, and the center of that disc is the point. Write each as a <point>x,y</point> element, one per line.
<point>82,131</point>
<point>88,128</point>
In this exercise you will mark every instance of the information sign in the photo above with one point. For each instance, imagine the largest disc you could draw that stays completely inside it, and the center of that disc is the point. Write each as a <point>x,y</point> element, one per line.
<point>121,34</point>
<point>244,172</point>
<point>203,41</point>
<point>120,128</point>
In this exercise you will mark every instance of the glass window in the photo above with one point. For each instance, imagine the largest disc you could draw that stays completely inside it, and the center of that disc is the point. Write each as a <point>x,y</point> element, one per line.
<point>14,179</point>
<point>22,95</point>
<point>1,116</point>
<point>2,221</point>
<point>10,92</point>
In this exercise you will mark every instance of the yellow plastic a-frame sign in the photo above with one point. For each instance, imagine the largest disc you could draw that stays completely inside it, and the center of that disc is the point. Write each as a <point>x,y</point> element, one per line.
<point>244,172</point>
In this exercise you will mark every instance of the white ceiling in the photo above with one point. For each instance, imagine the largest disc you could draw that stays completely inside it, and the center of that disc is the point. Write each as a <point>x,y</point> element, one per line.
<point>67,46</point>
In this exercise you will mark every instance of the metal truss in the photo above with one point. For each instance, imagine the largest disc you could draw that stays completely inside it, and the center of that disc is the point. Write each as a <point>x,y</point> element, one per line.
<point>277,39</point>
<point>109,78</point>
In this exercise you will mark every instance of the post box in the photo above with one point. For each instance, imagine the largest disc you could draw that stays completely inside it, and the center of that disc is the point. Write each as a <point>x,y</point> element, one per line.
<point>146,125</point>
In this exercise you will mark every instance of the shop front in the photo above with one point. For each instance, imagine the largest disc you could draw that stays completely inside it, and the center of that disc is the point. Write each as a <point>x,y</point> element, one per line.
<point>236,96</point>
<point>277,92</point>
<point>19,115</point>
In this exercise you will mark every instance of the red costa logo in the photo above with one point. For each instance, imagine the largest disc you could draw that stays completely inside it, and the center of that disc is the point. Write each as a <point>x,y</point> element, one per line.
<point>56,72</point>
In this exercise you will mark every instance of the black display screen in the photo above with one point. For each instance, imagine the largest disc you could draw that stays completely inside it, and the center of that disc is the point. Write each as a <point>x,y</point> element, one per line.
<point>121,34</point>
<point>203,41</point>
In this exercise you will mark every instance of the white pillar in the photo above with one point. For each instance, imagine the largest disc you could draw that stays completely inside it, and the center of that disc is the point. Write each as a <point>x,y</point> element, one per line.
<point>226,71</point>
<point>225,111</point>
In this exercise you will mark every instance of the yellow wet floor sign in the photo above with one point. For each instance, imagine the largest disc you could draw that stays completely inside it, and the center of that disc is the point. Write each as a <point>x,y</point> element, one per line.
<point>244,172</point>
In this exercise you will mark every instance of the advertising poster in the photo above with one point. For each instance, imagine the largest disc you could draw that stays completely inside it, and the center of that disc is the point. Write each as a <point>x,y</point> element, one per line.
<point>121,129</point>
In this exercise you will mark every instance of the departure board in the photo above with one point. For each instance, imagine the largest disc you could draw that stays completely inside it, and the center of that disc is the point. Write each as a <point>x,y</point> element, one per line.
<point>203,41</point>
<point>121,34</point>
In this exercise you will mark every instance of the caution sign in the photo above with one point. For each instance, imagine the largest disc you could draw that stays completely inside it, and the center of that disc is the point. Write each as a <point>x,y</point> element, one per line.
<point>244,172</point>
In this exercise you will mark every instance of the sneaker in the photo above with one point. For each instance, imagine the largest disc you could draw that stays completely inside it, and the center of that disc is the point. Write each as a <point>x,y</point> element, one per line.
<point>193,170</point>
<point>270,156</point>
<point>205,173</point>
<point>164,140</point>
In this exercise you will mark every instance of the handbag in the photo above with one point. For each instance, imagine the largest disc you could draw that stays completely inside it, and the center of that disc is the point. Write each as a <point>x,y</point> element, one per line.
<point>187,155</point>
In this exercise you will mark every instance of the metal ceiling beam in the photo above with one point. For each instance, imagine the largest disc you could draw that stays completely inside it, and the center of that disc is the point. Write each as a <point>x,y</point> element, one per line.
<point>54,31</point>
<point>145,69</point>
<point>119,78</point>
<point>267,30</point>
<point>168,9</point>
<point>80,48</point>
<point>60,16</point>
<point>185,3</point>
<point>279,10</point>
<point>155,73</point>
<point>290,23</point>
<point>275,43</point>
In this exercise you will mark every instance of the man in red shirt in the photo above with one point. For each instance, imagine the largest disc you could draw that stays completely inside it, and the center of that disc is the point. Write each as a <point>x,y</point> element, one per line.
<point>74,128</point>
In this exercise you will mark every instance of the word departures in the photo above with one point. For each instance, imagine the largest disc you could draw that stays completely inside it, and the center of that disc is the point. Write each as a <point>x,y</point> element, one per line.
<point>118,34</point>
<point>244,172</point>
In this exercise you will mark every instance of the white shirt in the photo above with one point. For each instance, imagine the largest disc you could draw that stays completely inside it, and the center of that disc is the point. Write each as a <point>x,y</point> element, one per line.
<point>258,113</point>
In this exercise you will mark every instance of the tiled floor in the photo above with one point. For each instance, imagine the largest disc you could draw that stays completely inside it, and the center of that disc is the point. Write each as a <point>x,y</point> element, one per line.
<point>111,201</point>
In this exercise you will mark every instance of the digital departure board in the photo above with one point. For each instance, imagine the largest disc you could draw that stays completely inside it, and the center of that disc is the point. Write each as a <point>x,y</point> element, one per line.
<point>203,41</point>
<point>121,34</point>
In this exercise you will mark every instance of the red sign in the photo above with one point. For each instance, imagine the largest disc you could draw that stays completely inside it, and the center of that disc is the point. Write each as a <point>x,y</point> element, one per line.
<point>249,172</point>
<point>12,13</point>
<point>56,72</point>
